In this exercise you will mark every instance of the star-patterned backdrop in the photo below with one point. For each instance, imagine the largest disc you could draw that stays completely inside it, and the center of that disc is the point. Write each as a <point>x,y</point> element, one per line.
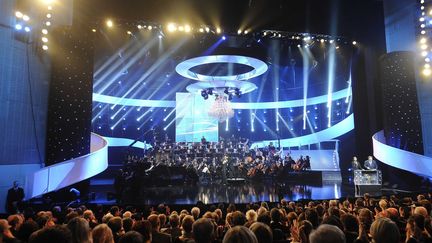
<point>70,98</point>
<point>401,117</point>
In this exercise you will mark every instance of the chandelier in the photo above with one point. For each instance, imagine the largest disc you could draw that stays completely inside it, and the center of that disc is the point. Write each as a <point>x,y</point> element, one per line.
<point>221,109</point>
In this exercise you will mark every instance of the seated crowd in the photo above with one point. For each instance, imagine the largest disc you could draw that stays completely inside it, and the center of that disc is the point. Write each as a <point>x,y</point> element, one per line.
<point>384,220</point>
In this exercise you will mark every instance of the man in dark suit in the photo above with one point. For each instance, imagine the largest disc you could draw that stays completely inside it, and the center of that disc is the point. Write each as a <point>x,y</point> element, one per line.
<point>14,198</point>
<point>157,236</point>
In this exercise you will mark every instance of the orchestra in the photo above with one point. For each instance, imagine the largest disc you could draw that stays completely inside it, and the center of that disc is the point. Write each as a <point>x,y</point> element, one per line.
<point>227,158</point>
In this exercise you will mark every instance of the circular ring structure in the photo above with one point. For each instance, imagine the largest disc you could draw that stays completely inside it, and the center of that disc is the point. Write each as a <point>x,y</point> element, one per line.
<point>184,68</point>
<point>219,86</point>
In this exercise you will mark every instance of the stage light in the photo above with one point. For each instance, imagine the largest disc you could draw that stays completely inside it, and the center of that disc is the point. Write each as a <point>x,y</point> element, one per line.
<point>49,7</point>
<point>427,65</point>
<point>160,36</point>
<point>171,27</point>
<point>139,26</point>
<point>430,12</point>
<point>18,27</point>
<point>239,31</point>
<point>331,41</point>
<point>427,59</point>
<point>44,31</point>
<point>45,47</point>
<point>298,45</point>
<point>322,40</point>
<point>181,28</point>
<point>423,40</point>
<point>187,28</point>
<point>424,46</point>
<point>422,26</point>
<point>207,29</point>
<point>109,23</point>
<point>223,38</point>
<point>424,53</point>
<point>128,32</point>
<point>48,23</point>
<point>48,15</point>
<point>93,30</point>
<point>218,30</point>
<point>354,42</point>
<point>337,47</point>
<point>246,32</point>
<point>201,30</point>
<point>48,1</point>
<point>44,39</point>
<point>423,32</point>
<point>150,27</point>
<point>18,14</point>
<point>25,17</point>
<point>427,72</point>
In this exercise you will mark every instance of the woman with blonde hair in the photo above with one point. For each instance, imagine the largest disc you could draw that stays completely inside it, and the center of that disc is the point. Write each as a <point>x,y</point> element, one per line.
<point>102,234</point>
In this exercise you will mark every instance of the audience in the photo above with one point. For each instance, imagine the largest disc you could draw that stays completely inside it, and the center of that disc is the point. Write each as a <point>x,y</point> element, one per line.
<point>361,220</point>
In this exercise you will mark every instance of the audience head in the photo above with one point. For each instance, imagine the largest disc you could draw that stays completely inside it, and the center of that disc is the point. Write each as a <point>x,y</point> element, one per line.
<point>383,230</point>
<point>264,218</point>
<point>195,212</point>
<point>26,229</point>
<point>327,234</point>
<point>155,222</point>
<point>275,215</point>
<point>115,211</point>
<point>187,223</point>
<point>132,237</point>
<point>174,220</point>
<point>239,234</point>
<point>116,225</point>
<point>53,234</point>
<point>143,227</point>
<point>80,230</point>
<point>262,232</point>
<point>102,234</point>
<point>251,216</point>
<point>203,230</point>
<point>238,218</point>
<point>127,224</point>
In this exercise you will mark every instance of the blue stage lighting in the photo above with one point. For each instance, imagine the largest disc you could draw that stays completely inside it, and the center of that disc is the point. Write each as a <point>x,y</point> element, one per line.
<point>18,27</point>
<point>223,37</point>
<point>27,29</point>
<point>112,128</point>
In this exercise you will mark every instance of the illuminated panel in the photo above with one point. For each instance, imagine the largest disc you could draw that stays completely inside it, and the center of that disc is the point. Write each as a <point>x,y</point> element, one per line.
<point>401,159</point>
<point>330,133</point>
<point>125,142</point>
<point>235,105</point>
<point>192,119</point>
<point>259,67</point>
<point>60,175</point>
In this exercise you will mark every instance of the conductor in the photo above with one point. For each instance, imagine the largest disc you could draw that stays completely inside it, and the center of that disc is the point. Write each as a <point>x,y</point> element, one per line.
<point>370,164</point>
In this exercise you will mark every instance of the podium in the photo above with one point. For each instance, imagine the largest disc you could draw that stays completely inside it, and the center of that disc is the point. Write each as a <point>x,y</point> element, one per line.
<point>367,181</point>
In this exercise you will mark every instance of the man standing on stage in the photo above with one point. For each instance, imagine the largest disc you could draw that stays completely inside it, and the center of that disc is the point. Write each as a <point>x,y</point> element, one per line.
<point>14,198</point>
<point>370,164</point>
<point>355,164</point>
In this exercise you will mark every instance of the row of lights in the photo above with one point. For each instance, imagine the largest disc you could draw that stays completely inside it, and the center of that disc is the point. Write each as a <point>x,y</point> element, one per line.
<point>306,37</point>
<point>22,21</point>
<point>47,24</point>
<point>425,21</point>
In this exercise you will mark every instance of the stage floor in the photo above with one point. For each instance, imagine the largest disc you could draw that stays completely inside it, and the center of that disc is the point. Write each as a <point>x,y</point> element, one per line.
<point>241,192</point>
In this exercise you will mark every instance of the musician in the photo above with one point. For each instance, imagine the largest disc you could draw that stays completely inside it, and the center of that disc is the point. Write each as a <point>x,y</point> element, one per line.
<point>370,164</point>
<point>356,164</point>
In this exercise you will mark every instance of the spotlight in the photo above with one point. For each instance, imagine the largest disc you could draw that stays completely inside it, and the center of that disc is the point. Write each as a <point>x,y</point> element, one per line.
<point>18,27</point>
<point>218,30</point>
<point>427,72</point>
<point>48,23</point>
<point>160,36</point>
<point>239,31</point>
<point>150,27</point>
<point>45,47</point>
<point>322,40</point>
<point>424,46</point>
<point>171,27</point>
<point>44,31</point>
<point>93,30</point>
<point>18,14</point>
<point>48,15</point>
<point>331,41</point>
<point>246,32</point>
<point>181,28</point>
<point>201,30</point>
<point>27,29</point>
<point>298,45</point>
<point>354,42</point>
<point>187,28</point>
<point>25,18</point>
<point>128,32</point>
<point>109,23</point>
<point>207,29</point>
<point>139,26</point>
<point>223,38</point>
<point>423,40</point>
